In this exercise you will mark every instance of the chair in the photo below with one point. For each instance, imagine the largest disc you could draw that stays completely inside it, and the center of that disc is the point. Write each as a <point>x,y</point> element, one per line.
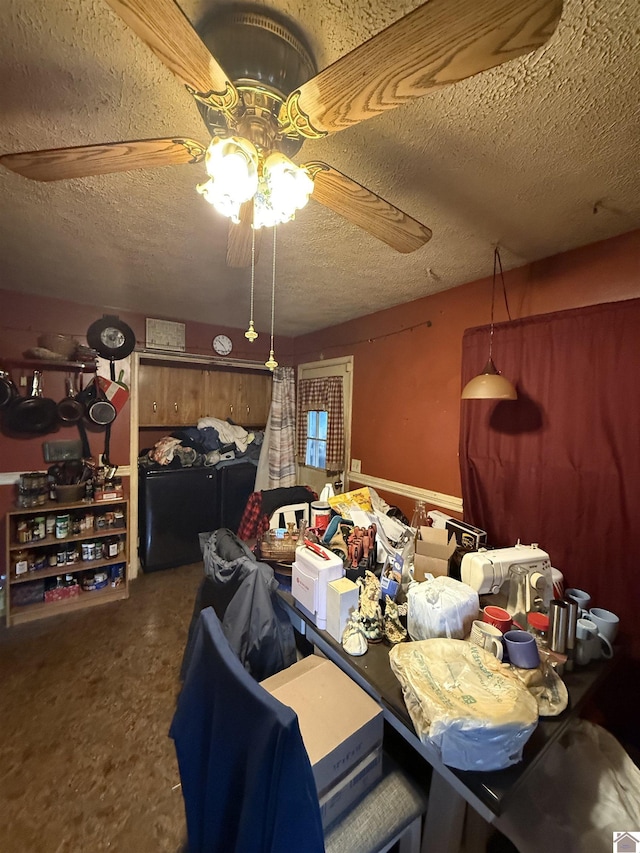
<point>290,514</point>
<point>247,781</point>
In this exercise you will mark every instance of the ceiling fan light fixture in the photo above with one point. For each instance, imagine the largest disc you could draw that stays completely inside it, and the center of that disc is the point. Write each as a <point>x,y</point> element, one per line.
<point>489,385</point>
<point>232,165</point>
<point>283,189</point>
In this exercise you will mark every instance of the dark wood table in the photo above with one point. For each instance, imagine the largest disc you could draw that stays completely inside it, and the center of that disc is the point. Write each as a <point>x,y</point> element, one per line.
<point>451,790</point>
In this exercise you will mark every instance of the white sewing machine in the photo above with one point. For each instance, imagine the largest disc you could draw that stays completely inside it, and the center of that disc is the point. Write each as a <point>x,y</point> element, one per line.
<point>486,571</point>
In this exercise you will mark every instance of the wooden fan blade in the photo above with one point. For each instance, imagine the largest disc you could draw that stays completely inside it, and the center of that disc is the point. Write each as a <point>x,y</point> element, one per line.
<point>438,43</point>
<point>56,164</point>
<point>366,209</point>
<point>162,25</point>
<point>240,238</point>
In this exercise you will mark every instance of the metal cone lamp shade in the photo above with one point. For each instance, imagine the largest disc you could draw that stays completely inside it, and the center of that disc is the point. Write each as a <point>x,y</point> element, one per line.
<point>489,385</point>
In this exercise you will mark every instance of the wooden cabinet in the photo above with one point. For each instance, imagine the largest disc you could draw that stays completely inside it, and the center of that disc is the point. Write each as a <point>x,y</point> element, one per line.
<point>179,396</point>
<point>95,546</point>
<point>170,396</point>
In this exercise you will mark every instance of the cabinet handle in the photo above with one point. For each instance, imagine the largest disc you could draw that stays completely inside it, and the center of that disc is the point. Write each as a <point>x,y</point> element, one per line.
<point>231,408</point>
<point>175,406</point>
<point>155,406</point>
<point>248,409</point>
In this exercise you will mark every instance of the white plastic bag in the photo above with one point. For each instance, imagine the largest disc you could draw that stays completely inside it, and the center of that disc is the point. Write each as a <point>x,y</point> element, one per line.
<point>441,607</point>
<point>476,712</point>
<point>586,789</point>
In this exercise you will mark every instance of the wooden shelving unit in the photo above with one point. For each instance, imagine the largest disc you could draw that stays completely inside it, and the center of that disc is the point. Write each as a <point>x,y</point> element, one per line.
<point>39,608</point>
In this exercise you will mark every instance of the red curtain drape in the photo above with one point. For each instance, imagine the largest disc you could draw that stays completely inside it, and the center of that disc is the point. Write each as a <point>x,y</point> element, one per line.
<point>560,466</point>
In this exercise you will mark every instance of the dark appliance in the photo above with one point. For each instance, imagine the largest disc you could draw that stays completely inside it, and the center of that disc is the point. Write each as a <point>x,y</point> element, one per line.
<point>175,505</point>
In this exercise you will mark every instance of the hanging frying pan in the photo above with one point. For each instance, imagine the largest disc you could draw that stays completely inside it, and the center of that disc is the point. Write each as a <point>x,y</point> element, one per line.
<point>97,407</point>
<point>70,409</point>
<point>111,338</point>
<point>8,390</point>
<point>34,414</point>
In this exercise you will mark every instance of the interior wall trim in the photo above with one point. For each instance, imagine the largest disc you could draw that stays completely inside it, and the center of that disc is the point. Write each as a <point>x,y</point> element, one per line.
<point>449,502</point>
<point>10,478</point>
<point>153,355</point>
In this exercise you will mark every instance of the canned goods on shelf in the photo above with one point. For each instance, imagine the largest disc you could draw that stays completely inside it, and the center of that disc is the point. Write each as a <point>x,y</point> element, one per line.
<point>62,526</point>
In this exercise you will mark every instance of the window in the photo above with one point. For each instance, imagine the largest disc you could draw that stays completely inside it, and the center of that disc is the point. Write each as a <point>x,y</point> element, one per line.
<point>316,449</point>
<point>320,433</point>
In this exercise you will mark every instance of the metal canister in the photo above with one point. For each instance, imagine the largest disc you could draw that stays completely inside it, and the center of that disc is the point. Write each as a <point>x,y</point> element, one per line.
<point>572,619</point>
<point>558,618</point>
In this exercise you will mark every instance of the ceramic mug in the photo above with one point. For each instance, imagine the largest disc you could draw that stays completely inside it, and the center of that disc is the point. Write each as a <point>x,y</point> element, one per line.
<point>497,616</point>
<point>581,598</point>
<point>590,645</point>
<point>488,637</point>
<point>606,622</point>
<point>522,649</point>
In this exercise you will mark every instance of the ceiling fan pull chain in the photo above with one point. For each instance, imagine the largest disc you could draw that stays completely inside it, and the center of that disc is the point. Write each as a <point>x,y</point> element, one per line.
<point>251,333</point>
<point>272,363</point>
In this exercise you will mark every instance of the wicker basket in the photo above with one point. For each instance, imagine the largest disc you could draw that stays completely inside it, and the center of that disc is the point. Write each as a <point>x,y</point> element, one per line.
<point>276,547</point>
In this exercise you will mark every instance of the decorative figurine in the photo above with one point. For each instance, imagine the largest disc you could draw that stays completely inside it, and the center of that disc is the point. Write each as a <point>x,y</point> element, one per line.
<point>369,607</point>
<point>354,641</point>
<point>394,630</point>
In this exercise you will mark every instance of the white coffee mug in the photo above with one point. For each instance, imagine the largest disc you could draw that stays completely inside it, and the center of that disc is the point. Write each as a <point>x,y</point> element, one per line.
<point>606,622</point>
<point>582,598</point>
<point>590,645</point>
<point>488,637</point>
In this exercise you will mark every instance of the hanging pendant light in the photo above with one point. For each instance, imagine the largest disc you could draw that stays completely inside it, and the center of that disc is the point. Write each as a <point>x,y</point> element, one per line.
<point>271,363</point>
<point>490,384</point>
<point>251,333</point>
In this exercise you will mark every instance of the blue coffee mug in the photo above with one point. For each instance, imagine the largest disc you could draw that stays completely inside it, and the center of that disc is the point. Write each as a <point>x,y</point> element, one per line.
<point>522,649</point>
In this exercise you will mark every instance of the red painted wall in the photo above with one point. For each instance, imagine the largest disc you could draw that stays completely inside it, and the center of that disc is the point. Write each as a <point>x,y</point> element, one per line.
<point>406,402</point>
<point>24,318</point>
<point>407,360</point>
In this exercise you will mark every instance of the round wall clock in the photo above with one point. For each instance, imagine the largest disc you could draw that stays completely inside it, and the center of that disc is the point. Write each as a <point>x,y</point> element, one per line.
<point>222,344</point>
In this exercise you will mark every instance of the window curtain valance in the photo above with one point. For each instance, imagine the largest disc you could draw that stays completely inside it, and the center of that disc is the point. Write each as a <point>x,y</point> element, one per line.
<point>322,395</point>
<point>560,466</point>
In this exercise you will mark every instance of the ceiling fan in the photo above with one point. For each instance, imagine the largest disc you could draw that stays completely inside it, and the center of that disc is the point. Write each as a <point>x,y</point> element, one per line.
<point>272,97</point>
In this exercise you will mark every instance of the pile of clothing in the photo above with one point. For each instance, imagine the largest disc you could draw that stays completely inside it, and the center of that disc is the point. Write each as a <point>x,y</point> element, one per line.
<point>210,442</point>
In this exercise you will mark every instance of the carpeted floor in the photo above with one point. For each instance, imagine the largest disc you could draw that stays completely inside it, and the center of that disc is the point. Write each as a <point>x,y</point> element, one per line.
<point>86,701</point>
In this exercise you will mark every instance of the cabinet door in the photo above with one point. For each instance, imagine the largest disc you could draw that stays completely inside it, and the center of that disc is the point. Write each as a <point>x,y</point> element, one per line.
<point>152,395</point>
<point>222,394</point>
<point>254,399</point>
<point>170,396</point>
<point>187,396</point>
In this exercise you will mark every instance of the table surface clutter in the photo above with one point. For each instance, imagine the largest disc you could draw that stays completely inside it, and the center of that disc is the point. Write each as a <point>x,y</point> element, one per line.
<point>480,663</point>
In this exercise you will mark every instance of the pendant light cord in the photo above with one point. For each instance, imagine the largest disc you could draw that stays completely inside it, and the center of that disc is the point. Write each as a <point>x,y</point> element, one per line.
<point>497,264</point>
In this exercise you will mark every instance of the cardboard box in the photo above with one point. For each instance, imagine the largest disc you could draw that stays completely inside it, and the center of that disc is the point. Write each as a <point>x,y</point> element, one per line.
<point>433,551</point>
<point>342,601</point>
<point>340,723</point>
<point>62,593</point>
<point>467,535</point>
<point>361,779</point>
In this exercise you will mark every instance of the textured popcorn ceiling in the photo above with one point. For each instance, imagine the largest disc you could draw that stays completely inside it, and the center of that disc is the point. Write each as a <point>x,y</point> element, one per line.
<point>519,156</point>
